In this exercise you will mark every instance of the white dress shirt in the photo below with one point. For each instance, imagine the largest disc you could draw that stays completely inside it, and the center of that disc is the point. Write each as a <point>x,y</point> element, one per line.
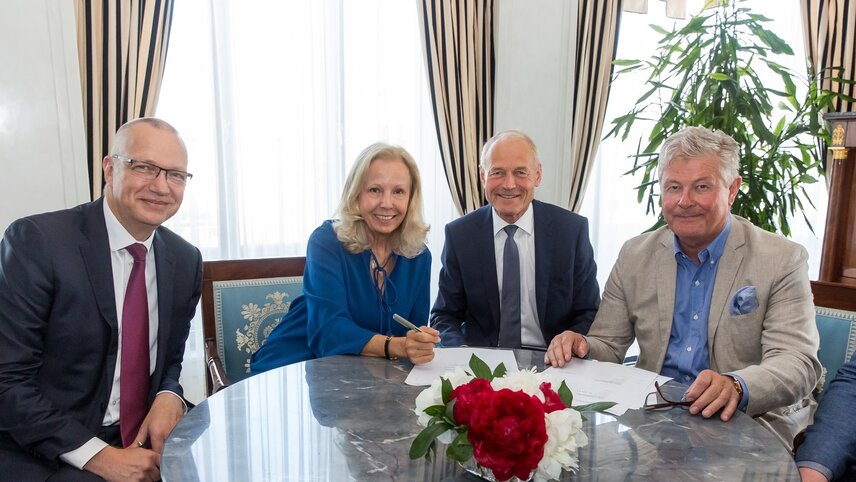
<point>525,238</point>
<point>122,262</point>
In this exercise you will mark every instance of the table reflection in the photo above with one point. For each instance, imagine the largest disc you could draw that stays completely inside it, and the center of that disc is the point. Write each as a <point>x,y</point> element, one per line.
<point>351,418</point>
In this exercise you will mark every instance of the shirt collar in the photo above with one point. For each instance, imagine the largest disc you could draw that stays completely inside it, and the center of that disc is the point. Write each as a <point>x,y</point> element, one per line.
<point>712,251</point>
<point>117,235</point>
<point>526,223</point>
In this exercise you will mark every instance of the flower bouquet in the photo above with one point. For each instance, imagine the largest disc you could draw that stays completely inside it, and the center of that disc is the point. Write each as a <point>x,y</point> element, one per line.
<point>514,424</point>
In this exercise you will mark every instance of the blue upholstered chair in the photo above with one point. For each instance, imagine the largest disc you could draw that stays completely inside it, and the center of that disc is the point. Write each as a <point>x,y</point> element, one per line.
<point>837,330</point>
<point>242,302</point>
<point>835,314</point>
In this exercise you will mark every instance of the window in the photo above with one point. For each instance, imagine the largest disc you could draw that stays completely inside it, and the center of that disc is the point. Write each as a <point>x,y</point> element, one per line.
<point>610,202</point>
<point>275,100</point>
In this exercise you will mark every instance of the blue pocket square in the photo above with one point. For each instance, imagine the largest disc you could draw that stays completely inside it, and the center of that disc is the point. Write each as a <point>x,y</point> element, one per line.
<point>744,301</point>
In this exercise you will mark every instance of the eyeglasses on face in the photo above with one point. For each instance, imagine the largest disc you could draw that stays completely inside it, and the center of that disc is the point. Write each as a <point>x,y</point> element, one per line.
<point>661,401</point>
<point>150,172</point>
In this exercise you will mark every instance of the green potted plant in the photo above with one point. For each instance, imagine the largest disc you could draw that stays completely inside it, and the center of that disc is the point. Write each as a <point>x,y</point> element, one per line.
<point>706,73</point>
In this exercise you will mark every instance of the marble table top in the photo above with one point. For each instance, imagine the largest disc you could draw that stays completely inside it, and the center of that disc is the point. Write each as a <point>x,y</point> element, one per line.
<point>351,418</point>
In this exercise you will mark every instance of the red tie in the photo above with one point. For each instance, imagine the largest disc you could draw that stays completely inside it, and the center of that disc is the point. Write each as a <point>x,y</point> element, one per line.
<point>134,375</point>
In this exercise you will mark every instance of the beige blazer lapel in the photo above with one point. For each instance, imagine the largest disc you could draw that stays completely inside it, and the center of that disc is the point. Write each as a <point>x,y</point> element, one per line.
<point>725,284</point>
<point>665,282</point>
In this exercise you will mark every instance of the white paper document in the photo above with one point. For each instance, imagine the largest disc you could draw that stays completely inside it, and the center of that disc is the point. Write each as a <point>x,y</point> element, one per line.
<point>447,359</point>
<point>592,381</point>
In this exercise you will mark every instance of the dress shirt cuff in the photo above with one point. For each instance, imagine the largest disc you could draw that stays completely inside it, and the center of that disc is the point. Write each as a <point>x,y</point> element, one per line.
<point>816,466</point>
<point>183,403</point>
<point>745,400</point>
<point>79,457</point>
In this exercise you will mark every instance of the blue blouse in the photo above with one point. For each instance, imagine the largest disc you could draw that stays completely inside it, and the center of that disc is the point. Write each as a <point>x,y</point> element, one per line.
<point>341,309</point>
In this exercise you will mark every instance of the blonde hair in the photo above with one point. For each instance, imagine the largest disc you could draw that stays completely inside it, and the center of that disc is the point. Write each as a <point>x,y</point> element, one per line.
<point>408,240</point>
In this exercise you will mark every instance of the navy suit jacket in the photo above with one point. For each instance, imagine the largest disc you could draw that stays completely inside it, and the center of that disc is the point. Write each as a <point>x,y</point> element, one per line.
<point>566,291</point>
<point>59,331</point>
<point>831,440</point>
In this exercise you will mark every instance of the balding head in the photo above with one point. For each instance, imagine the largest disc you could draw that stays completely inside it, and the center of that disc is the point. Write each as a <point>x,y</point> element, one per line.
<point>138,190</point>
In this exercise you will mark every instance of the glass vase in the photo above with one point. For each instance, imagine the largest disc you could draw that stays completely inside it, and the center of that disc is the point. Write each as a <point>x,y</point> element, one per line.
<point>474,468</point>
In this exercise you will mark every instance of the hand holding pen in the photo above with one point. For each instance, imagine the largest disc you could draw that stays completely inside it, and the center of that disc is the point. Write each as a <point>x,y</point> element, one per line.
<point>420,341</point>
<point>404,322</point>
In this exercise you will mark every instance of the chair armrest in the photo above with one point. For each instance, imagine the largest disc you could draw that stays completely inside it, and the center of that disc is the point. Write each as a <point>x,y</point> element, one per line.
<point>216,372</point>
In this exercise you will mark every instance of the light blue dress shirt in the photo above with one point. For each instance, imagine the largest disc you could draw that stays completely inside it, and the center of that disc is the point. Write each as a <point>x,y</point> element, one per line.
<point>688,354</point>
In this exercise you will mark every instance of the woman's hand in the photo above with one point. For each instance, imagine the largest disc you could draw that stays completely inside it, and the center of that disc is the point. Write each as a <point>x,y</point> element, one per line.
<point>419,347</point>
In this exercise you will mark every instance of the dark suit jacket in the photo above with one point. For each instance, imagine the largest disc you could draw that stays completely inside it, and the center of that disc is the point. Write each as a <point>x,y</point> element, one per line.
<point>467,306</point>
<point>59,331</point>
<point>831,440</point>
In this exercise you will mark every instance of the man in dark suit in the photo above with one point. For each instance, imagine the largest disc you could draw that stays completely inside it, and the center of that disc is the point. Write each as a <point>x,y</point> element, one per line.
<point>516,272</point>
<point>829,450</point>
<point>95,306</point>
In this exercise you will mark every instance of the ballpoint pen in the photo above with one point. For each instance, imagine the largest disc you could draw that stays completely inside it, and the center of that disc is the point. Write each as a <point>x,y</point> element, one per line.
<point>403,322</point>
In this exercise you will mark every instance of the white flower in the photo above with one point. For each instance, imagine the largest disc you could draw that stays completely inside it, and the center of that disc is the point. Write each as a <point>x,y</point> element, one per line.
<point>527,381</point>
<point>564,437</point>
<point>433,395</point>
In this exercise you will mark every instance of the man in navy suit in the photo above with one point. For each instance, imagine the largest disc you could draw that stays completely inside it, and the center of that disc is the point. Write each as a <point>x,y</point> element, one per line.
<point>557,272</point>
<point>63,279</point>
<point>829,450</point>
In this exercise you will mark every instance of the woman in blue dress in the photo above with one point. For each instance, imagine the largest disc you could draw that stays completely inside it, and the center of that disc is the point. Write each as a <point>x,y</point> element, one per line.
<point>361,268</point>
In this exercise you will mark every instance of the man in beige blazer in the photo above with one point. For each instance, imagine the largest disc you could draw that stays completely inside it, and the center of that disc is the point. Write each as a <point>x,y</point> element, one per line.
<point>712,300</point>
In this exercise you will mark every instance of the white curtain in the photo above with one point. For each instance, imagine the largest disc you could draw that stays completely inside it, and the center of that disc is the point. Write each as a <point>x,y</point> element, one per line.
<point>275,99</point>
<point>261,118</point>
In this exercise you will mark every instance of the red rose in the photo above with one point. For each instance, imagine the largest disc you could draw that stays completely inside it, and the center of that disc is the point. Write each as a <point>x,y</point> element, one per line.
<point>466,396</point>
<point>552,402</point>
<point>507,432</point>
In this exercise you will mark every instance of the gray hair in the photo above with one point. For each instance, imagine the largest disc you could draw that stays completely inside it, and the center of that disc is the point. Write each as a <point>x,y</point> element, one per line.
<point>351,229</point>
<point>693,142</point>
<point>484,160</point>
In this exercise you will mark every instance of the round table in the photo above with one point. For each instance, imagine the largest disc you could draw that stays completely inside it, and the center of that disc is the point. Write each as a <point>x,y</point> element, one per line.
<point>351,418</point>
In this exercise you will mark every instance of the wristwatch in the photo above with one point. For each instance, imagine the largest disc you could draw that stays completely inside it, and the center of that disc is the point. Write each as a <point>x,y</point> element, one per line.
<point>737,387</point>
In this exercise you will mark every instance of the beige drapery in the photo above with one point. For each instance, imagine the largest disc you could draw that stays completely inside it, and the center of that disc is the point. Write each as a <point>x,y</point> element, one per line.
<point>122,46</point>
<point>829,32</point>
<point>459,54</point>
<point>674,8</point>
<point>597,36</point>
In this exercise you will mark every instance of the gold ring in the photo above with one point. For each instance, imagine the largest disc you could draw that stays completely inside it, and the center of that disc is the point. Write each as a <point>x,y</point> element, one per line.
<point>140,443</point>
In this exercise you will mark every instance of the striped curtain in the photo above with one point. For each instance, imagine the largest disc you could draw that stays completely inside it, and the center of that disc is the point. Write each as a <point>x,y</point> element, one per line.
<point>829,31</point>
<point>460,61</point>
<point>597,37</point>
<point>122,48</point>
<point>674,8</point>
